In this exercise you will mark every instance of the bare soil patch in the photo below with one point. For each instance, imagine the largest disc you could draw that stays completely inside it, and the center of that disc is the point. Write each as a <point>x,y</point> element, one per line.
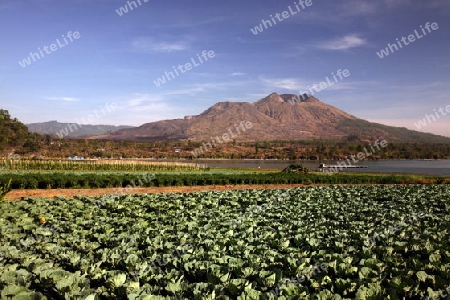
<point>69,193</point>
<point>19,194</point>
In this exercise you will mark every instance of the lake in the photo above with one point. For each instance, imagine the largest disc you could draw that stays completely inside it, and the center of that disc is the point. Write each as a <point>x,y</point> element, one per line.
<point>425,167</point>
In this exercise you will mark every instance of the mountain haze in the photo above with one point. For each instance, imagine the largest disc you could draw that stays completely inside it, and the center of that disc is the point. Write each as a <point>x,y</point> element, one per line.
<point>275,117</point>
<point>54,128</point>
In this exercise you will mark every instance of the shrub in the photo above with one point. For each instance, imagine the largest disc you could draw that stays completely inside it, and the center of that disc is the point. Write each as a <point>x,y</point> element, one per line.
<point>5,188</point>
<point>295,168</point>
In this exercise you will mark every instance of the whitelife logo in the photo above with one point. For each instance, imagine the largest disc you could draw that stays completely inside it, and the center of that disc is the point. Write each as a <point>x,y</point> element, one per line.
<point>124,9</point>
<point>266,24</point>
<point>187,67</point>
<point>53,47</point>
<point>226,138</point>
<point>411,38</point>
<point>361,156</point>
<point>431,118</point>
<point>90,118</point>
<point>321,86</point>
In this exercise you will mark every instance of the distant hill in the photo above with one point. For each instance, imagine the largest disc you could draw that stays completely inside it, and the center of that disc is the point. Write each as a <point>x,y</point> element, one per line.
<point>68,130</point>
<point>275,117</point>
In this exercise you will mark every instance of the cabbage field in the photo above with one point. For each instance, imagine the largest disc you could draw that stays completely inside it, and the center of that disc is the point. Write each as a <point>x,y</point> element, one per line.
<point>366,242</point>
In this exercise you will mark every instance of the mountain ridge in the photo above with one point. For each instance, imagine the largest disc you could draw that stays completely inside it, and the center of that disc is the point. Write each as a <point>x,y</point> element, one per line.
<point>274,117</point>
<point>72,130</point>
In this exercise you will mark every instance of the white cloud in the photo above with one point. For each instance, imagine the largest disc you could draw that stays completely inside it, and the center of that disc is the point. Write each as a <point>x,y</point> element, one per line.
<point>343,43</point>
<point>144,108</point>
<point>68,99</point>
<point>424,4</point>
<point>237,74</point>
<point>358,8</point>
<point>190,23</point>
<point>192,91</point>
<point>291,84</point>
<point>139,99</point>
<point>391,3</point>
<point>299,85</point>
<point>219,85</point>
<point>341,12</point>
<point>147,44</point>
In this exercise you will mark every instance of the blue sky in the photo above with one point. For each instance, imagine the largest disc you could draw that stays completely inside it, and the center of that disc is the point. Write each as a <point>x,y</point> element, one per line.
<point>118,58</point>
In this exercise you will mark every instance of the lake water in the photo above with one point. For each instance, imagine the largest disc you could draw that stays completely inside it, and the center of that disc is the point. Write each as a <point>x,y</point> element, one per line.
<point>425,167</point>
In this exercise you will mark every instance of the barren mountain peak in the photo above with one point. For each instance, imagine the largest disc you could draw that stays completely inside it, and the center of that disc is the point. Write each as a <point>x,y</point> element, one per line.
<point>275,117</point>
<point>274,97</point>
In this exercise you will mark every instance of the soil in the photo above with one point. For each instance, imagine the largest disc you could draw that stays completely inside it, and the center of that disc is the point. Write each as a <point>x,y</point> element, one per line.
<point>19,194</point>
<point>69,193</point>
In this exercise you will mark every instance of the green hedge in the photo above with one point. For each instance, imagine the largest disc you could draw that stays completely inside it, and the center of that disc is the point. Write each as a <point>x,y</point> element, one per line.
<point>101,180</point>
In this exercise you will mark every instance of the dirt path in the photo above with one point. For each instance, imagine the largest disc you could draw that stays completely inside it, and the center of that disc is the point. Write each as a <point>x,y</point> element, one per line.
<point>19,194</point>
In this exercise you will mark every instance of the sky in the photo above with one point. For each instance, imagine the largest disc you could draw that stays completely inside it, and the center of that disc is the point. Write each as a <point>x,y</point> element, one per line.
<point>114,56</point>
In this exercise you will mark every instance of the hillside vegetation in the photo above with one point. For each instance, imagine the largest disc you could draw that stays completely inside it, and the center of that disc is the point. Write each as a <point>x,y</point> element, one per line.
<point>15,135</point>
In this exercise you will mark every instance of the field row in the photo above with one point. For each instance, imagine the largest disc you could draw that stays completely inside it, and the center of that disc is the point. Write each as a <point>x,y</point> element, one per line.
<point>100,165</point>
<point>374,242</point>
<point>53,180</point>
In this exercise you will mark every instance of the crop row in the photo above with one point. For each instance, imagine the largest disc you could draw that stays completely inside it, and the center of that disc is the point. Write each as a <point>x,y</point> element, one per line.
<point>100,165</point>
<point>48,180</point>
<point>311,243</point>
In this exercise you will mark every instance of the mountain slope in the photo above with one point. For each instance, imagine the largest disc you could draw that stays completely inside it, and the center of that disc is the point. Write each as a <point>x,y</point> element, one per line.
<point>275,117</point>
<point>309,117</point>
<point>224,117</point>
<point>161,130</point>
<point>53,128</point>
